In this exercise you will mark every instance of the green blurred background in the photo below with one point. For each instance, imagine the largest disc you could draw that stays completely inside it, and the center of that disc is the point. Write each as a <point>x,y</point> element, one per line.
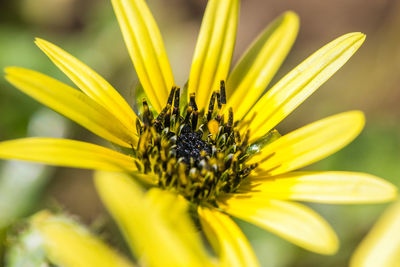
<point>88,29</point>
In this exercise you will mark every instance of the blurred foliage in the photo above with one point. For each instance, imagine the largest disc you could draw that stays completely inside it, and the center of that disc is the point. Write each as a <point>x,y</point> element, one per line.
<point>88,30</point>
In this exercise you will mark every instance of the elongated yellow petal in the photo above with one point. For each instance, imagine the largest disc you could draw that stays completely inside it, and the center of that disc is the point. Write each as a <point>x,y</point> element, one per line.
<point>322,187</point>
<point>309,143</point>
<point>381,247</point>
<point>146,48</point>
<point>227,239</point>
<point>68,244</point>
<point>155,225</point>
<point>72,104</point>
<point>300,83</point>
<point>91,83</point>
<point>259,64</point>
<point>291,221</point>
<point>67,153</point>
<point>214,48</point>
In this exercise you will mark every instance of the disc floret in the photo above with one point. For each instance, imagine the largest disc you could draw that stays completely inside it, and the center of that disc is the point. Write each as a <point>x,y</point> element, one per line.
<point>195,153</point>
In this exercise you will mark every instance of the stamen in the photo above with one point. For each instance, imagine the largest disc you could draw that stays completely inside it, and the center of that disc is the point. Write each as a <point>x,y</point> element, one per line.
<point>223,94</point>
<point>160,118</point>
<point>194,120</point>
<point>229,125</point>
<point>188,113</point>
<point>192,102</point>
<point>147,115</point>
<point>171,96</point>
<point>219,100</point>
<point>167,119</point>
<point>176,102</point>
<point>211,106</point>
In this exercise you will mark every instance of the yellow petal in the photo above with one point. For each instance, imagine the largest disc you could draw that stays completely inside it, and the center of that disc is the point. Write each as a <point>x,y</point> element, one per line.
<point>214,48</point>
<point>72,104</point>
<point>309,143</point>
<point>227,239</point>
<point>156,225</point>
<point>91,83</point>
<point>257,67</point>
<point>291,221</point>
<point>66,153</point>
<point>68,244</point>
<point>381,247</point>
<point>322,187</point>
<point>300,83</point>
<point>146,48</point>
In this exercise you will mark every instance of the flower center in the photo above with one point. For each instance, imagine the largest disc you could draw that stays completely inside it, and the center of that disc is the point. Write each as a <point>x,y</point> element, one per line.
<point>195,153</point>
<point>190,146</point>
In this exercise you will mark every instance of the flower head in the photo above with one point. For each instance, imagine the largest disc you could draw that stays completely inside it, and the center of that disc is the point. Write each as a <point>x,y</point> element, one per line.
<point>212,143</point>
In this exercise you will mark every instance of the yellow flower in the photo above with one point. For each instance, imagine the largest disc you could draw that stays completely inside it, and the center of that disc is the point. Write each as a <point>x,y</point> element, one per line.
<point>381,247</point>
<point>225,160</point>
<point>161,231</point>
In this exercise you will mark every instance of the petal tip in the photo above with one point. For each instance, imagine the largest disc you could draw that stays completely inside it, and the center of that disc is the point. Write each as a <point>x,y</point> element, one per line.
<point>361,119</point>
<point>291,16</point>
<point>358,118</point>
<point>41,43</point>
<point>359,38</point>
<point>9,69</point>
<point>38,41</point>
<point>392,192</point>
<point>330,246</point>
<point>330,249</point>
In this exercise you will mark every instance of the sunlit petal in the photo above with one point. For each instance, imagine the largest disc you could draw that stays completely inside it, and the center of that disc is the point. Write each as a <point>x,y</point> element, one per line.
<point>68,244</point>
<point>381,247</point>
<point>227,239</point>
<point>91,83</point>
<point>156,225</point>
<point>300,83</point>
<point>291,221</point>
<point>257,67</point>
<point>66,153</point>
<point>309,144</point>
<point>146,48</point>
<point>214,48</point>
<point>71,103</point>
<point>322,187</point>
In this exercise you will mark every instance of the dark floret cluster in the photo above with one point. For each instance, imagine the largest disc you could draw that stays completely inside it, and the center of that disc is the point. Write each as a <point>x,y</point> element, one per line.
<point>196,153</point>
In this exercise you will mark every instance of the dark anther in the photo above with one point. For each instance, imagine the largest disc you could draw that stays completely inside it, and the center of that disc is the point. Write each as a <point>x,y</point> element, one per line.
<point>160,116</point>
<point>147,115</point>
<point>223,94</point>
<point>229,125</point>
<point>138,126</point>
<point>219,100</point>
<point>171,95</point>
<point>188,113</point>
<point>176,102</point>
<point>230,119</point>
<point>194,120</point>
<point>192,102</point>
<point>167,119</point>
<point>211,106</point>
